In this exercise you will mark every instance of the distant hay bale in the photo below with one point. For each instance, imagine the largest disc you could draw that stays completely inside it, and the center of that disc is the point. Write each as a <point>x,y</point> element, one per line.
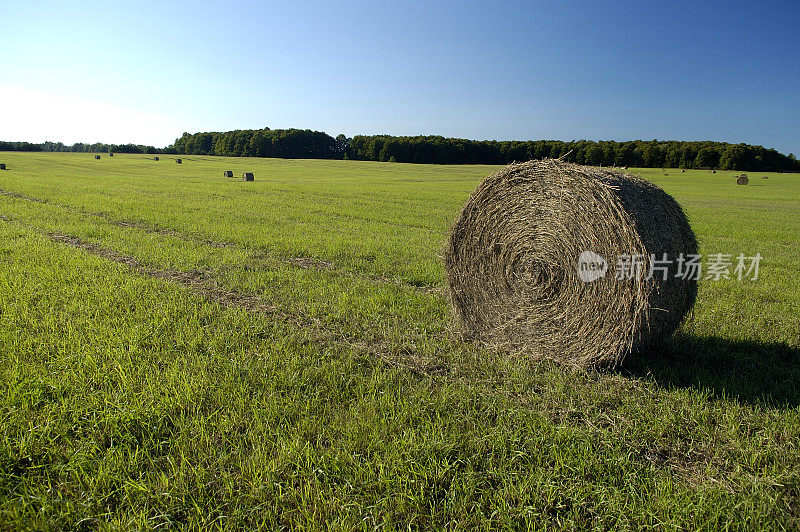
<point>228,173</point>
<point>683,171</point>
<point>248,176</point>
<point>110,154</point>
<point>530,233</point>
<point>742,180</point>
<point>156,159</point>
<point>96,156</point>
<point>179,161</point>
<point>764,177</point>
<point>2,166</point>
<point>713,171</point>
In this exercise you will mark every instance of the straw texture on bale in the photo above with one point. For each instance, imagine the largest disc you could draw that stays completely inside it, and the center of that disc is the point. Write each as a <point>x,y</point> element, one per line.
<point>228,173</point>
<point>742,180</point>
<point>512,260</point>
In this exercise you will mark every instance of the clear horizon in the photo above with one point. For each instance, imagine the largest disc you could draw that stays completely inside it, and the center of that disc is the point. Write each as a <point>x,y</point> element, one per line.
<point>517,71</point>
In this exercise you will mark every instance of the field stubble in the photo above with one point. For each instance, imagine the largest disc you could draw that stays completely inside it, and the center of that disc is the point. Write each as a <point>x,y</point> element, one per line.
<point>184,349</point>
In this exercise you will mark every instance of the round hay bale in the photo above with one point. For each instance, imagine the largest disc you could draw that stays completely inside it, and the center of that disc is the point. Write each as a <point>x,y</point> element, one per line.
<point>156,159</point>
<point>248,176</point>
<point>683,171</point>
<point>2,166</point>
<point>179,161</point>
<point>228,173</point>
<point>764,177</point>
<point>742,180</point>
<point>713,171</point>
<point>96,156</point>
<point>532,263</point>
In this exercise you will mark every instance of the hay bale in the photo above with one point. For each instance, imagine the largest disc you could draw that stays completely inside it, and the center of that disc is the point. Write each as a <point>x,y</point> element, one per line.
<point>742,180</point>
<point>713,171</point>
<point>228,173</point>
<point>2,166</point>
<point>683,171</point>
<point>248,176</point>
<point>764,177</point>
<point>179,161</point>
<point>96,156</point>
<point>156,159</point>
<point>110,154</point>
<point>514,265</point>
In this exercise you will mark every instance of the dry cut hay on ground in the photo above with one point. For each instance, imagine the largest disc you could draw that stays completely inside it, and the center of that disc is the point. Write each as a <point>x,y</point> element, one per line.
<point>512,262</point>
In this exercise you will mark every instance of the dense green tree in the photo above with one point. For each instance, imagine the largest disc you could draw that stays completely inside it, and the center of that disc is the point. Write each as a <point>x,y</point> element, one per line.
<point>688,156</point>
<point>733,158</point>
<point>707,158</point>
<point>595,156</point>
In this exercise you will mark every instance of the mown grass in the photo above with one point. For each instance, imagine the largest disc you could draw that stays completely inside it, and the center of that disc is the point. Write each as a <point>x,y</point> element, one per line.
<point>133,399</point>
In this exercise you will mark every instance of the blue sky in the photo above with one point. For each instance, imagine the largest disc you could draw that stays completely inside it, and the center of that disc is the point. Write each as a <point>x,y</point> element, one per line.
<point>145,71</point>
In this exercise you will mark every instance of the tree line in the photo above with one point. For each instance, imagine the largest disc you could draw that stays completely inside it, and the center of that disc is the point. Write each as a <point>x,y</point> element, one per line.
<point>307,144</point>
<point>638,153</point>
<point>301,144</point>
<point>97,147</point>
<point>280,143</point>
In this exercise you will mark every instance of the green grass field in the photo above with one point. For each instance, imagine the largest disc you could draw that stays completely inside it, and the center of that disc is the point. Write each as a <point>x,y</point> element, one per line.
<point>184,349</point>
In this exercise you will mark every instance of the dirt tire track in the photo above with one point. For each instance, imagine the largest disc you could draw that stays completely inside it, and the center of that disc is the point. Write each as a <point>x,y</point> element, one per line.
<point>203,284</point>
<point>199,281</point>
<point>403,357</point>
<point>304,263</point>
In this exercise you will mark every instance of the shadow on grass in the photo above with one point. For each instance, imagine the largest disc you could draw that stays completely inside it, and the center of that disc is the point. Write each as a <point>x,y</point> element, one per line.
<point>746,370</point>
